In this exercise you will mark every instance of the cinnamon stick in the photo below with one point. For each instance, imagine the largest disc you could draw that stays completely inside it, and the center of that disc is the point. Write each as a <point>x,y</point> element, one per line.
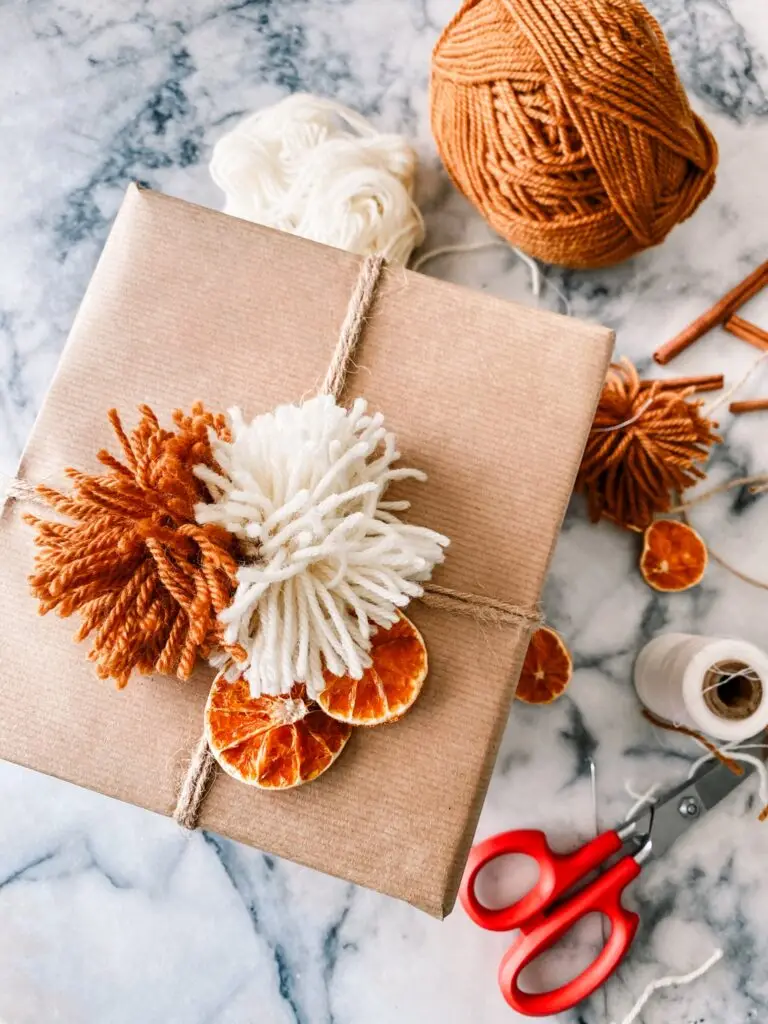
<point>705,382</point>
<point>750,405</point>
<point>720,312</point>
<point>747,331</point>
<point>709,385</point>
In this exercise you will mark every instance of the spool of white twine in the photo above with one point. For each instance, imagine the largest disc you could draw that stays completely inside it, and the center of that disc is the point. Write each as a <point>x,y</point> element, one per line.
<point>312,167</point>
<point>715,685</point>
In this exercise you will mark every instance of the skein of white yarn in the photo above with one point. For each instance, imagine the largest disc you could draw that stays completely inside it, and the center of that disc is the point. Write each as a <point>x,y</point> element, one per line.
<point>312,167</point>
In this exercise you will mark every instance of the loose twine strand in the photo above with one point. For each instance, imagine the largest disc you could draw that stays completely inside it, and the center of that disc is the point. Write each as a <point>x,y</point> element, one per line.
<point>759,482</point>
<point>722,399</point>
<point>758,485</point>
<point>485,610</point>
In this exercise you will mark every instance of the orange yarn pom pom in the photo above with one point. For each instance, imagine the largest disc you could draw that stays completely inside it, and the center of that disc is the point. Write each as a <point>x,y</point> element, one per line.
<point>566,124</point>
<point>642,449</point>
<point>148,581</point>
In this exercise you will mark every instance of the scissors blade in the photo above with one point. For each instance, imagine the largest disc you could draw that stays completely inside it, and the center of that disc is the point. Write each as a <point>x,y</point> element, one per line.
<point>685,805</point>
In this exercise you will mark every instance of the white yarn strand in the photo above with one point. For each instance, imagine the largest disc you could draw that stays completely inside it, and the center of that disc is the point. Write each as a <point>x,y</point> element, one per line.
<point>671,981</point>
<point>312,167</point>
<point>641,799</point>
<point>466,247</point>
<point>327,560</point>
<point>722,399</point>
<point>626,423</point>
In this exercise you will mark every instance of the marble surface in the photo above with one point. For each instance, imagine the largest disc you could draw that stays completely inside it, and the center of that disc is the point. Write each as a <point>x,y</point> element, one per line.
<point>108,914</point>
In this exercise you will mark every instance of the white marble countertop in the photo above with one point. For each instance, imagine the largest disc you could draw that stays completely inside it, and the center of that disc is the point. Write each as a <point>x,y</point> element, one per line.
<point>108,914</point>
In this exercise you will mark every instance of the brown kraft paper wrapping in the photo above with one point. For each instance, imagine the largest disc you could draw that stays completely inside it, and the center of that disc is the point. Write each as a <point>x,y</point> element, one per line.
<point>491,399</point>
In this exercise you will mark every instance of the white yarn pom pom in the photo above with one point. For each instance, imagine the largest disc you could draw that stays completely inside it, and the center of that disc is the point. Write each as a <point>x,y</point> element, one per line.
<point>327,558</point>
<point>315,168</point>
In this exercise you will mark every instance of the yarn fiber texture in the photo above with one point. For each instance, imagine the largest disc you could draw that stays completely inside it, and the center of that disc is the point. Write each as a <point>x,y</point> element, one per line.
<point>646,446</point>
<point>148,582</point>
<point>565,123</point>
<point>327,558</point>
<point>315,168</point>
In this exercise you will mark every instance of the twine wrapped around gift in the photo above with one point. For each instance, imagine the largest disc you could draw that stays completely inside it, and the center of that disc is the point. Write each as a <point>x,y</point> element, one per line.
<point>163,472</point>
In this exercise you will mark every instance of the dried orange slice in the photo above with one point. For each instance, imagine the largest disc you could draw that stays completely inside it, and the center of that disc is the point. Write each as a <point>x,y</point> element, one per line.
<point>389,687</point>
<point>674,556</point>
<point>547,668</point>
<point>270,742</point>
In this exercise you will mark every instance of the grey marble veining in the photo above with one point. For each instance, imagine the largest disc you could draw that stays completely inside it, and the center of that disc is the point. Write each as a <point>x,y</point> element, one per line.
<point>108,915</point>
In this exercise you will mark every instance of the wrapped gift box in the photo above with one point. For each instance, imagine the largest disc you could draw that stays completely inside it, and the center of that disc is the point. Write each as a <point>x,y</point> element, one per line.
<point>491,399</point>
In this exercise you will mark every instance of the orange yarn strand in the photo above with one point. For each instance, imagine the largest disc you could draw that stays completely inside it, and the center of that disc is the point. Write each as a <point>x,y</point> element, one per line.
<point>644,447</point>
<point>566,125</point>
<point>683,730</point>
<point>147,580</point>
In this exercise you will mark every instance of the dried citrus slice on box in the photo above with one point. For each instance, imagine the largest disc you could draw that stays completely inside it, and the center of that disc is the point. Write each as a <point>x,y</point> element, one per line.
<point>547,668</point>
<point>270,742</point>
<point>674,556</point>
<point>389,687</point>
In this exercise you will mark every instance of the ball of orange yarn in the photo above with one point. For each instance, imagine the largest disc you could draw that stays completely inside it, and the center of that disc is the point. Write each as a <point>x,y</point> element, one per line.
<point>566,125</point>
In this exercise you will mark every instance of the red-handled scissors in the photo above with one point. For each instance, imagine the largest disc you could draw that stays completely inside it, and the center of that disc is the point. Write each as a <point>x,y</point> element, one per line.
<point>562,895</point>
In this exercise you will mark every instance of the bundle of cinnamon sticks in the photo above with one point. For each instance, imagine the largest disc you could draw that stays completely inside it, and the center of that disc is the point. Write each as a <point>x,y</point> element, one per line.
<point>724,313</point>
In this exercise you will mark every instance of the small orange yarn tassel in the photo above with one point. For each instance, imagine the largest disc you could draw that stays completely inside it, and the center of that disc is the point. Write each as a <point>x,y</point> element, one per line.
<point>644,447</point>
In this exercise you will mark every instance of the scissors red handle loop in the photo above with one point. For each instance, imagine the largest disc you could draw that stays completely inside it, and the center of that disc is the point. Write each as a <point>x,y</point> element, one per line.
<point>557,873</point>
<point>604,896</point>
